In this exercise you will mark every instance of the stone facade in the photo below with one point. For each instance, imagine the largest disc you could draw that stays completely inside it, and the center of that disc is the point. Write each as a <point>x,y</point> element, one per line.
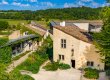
<point>77,52</point>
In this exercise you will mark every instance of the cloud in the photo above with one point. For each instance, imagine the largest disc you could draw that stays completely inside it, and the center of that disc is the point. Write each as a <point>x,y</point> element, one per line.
<point>4,2</point>
<point>105,4</point>
<point>33,0</point>
<point>20,4</point>
<point>76,4</point>
<point>86,0</point>
<point>88,3</point>
<point>47,4</point>
<point>67,5</point>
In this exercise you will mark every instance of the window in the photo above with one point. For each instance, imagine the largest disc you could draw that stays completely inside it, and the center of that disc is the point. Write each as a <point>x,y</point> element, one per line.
<point>72,51</point>
<point>63,43</point>
<point>61,57</point>
<point>90,63</point>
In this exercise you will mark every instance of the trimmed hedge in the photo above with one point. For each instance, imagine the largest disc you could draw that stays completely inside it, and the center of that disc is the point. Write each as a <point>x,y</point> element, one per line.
<point>91,73</point>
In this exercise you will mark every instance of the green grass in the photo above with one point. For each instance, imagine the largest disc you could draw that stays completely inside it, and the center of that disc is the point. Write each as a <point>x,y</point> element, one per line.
<point>3,41</point>
<point>14,22</point>
<point>5,33</point>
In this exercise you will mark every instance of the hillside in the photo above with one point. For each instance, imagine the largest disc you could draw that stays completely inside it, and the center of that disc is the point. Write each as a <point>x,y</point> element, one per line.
<point>62,14</point>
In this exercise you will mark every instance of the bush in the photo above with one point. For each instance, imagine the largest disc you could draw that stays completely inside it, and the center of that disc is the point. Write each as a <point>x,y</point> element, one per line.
<point>51,66</point>
<point>16,75</point>
<point>32,63</point>
<point>91,73</point>
<point>108,72</point>
<point>55,65</point>
<point>4,25</point>
<point>64,66</point>
<point>19,56</point>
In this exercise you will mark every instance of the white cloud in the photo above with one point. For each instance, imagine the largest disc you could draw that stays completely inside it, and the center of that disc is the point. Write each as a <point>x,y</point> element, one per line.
<point>4,2</point>
<point>20,4</point>
<point>67,5</point>
<point>105,4</point>
<point>33,0</point>
<point>86,0</point>
<point>77,4</point>
<point>47,4</point>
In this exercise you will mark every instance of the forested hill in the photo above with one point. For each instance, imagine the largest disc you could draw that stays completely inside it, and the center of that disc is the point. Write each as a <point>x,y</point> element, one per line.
<point>64,13</point>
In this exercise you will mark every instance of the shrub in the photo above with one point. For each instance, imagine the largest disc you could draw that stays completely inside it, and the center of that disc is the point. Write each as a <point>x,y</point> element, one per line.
<point>64,66</point>
<point>16,75</point>
<point>55,65</point>
<point>108,72</point>
<point>33,62</point>
<point>91,73</point>
<point>51,66</point>
<point>4,25</point>
<point>19,56</point>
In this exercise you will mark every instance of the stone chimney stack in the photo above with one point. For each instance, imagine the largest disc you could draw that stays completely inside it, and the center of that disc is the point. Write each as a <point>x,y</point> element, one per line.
<point>62,24</point>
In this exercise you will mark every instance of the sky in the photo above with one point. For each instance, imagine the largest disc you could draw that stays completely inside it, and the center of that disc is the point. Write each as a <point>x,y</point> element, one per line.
<point>46,4</point>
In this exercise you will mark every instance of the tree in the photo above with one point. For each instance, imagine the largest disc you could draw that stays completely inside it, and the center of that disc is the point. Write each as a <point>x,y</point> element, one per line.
<point>3,25</point>
<point>102,39</point>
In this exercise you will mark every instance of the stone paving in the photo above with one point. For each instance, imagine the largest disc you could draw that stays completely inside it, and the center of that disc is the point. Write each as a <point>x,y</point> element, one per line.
<point>70,74</point>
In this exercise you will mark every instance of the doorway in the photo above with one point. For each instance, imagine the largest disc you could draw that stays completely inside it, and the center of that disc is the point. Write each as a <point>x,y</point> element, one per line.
<point>73,63</point>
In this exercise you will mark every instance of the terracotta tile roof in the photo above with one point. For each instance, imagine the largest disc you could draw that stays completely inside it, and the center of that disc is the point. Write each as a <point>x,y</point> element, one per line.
<point>76,32</point>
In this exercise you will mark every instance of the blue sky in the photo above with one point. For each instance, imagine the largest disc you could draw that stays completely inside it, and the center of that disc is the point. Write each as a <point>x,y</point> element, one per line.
<point>45,4</point>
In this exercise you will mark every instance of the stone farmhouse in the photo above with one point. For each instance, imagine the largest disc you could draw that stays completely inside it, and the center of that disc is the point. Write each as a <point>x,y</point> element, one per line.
<point>73,45</point>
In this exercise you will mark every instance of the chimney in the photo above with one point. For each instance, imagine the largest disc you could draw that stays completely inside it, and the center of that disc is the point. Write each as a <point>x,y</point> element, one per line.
<point>62,24</point>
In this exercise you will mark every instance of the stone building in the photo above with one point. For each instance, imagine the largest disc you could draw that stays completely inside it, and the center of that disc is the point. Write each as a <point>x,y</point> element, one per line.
<point>20,43</point>
<point>74,46</point>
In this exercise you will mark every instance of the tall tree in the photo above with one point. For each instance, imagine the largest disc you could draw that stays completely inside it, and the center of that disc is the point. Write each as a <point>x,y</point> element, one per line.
<point>102,39</point>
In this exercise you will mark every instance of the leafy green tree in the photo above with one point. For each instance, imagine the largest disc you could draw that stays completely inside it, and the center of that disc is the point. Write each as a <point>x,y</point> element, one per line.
<point>102,39</point>
<point>3,25</point>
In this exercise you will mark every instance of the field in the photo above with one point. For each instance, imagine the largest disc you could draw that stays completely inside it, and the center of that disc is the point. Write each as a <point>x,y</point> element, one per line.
<point>14,22</point>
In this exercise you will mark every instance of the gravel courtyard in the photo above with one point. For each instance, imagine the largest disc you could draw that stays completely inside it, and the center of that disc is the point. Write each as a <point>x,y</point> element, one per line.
<point>70,74</point>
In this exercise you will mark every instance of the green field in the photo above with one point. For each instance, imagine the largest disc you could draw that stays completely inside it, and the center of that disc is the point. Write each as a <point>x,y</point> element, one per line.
<point>14,22</point>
